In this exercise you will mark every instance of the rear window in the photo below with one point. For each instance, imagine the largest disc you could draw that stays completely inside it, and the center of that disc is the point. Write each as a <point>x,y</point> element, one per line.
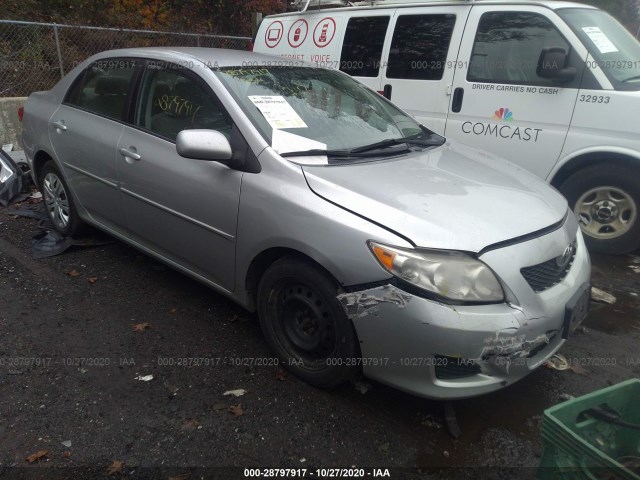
<point>362,46</point>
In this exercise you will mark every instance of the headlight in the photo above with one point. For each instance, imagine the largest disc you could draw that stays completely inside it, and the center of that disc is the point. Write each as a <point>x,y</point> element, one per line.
<point>452,275</point>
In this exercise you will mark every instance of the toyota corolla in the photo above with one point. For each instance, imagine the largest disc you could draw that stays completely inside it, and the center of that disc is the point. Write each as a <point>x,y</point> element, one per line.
<point>366,243</point>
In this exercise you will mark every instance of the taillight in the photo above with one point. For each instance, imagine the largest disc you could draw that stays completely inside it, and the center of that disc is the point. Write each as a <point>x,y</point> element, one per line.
<point>20,113</point>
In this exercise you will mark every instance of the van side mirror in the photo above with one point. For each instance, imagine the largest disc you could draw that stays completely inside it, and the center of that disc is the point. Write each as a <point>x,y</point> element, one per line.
<point>203,145</point>
<point>552,64</point>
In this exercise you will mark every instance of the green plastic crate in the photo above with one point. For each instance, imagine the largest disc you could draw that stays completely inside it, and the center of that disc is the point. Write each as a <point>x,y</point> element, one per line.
<point>579,447</point>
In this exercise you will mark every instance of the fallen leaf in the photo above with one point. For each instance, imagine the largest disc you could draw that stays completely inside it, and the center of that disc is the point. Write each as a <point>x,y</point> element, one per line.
<point>236,393</point>
<point>281,374</point>
<point>140,327</point>
<point>220,406</point>
<point>182,476</point>
<point>173,310</point>
<point>34,457</point>
<point>558,362</point>
<point>579,370</point>
<point>92,280</point>
<point>602,296</point>
<point>115,467</point>
<point>190,425</point>
<point>73,273</point>
<point>66,454</point>
<point>236,410</point>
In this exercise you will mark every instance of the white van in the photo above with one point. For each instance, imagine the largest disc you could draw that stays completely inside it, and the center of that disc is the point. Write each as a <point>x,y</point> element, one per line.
<point>550,85</point>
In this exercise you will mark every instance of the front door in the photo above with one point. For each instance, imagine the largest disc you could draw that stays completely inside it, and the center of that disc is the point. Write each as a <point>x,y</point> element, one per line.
<point>185,210</point>
<point>499,102</point>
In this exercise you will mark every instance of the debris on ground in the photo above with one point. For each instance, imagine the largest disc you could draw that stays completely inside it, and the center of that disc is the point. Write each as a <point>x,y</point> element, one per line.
<point>236,410</point>
<point>140,327</point>
<point>67,443</point>
<point>115,467</point>
<point>362,386</point>
<point>34,457</point>
<point>558,362</point>
<point>432,422</point>
<point>281,374</point>
<point>236,393</point>
<point>144,378</point>
<point>602,296</point>
<point>635,268</point>
<point>451,421</point>
<point>14,176</point>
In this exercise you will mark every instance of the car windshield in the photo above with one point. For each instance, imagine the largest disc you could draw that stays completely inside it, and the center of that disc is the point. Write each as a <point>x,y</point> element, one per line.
<point>313,111</point>
<point>614,49</point>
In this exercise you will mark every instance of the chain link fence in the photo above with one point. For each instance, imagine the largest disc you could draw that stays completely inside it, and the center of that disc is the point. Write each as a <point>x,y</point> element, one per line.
<point>34,56</point>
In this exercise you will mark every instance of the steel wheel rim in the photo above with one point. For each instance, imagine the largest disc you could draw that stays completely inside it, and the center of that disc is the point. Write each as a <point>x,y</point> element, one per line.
<point>307,323</point>
<point>605,212</point>
<point>56,200</point>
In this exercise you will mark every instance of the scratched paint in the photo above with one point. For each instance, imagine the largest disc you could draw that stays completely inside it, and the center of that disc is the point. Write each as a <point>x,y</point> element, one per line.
<point>362,304</point>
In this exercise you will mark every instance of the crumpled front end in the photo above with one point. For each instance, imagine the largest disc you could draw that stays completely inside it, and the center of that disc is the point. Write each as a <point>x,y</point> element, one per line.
<point>442,351</point>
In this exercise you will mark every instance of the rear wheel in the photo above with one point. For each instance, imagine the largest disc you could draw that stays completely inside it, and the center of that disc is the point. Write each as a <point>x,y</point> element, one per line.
<point>305,325</point>
<point>58,201</point>
<point>606,201</point>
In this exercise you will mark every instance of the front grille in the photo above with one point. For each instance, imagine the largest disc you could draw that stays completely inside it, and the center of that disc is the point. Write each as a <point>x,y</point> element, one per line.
<point>449,368</point>
<point>547,274</point>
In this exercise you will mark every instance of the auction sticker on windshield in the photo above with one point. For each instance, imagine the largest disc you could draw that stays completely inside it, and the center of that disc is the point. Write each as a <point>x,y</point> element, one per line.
<point>277,111</point>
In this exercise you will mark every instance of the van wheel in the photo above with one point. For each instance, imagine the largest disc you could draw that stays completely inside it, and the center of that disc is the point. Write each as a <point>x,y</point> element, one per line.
<point>305,325</point>
<point>58,201</point>
<point>606,201</point>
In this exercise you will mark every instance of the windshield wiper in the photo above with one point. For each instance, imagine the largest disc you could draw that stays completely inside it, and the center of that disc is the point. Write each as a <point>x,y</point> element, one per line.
<point>316,152</point>
<point>399,141</point>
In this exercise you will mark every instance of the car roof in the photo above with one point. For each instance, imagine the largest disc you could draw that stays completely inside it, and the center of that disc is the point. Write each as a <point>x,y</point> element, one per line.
<point>553,5</point>
<point>221,57</point>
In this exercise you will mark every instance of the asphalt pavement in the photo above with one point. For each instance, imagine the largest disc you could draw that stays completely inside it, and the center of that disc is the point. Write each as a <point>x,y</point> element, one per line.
<point>113,365</point>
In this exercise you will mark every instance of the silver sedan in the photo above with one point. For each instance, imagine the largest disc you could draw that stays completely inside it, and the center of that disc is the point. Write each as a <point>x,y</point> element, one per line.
<point>366,243</point>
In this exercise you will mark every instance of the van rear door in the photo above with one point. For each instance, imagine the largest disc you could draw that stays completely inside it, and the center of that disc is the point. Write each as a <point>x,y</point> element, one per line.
<point>500,102</point>
<point>419,60</point>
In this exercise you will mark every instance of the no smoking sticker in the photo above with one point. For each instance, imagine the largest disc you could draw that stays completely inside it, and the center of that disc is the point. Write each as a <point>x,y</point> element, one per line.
<point>298,33</point>
<point>273,35</point>
<point>324,32</point>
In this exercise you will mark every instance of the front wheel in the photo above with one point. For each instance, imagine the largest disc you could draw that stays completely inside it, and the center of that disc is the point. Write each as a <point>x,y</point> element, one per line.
<point>305,324</point>
<point>606,201</point>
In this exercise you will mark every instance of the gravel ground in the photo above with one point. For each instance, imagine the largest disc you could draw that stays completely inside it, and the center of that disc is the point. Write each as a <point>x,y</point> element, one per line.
<point>70,358</point>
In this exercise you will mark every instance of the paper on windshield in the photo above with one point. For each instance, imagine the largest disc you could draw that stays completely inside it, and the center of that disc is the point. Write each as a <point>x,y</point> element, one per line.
<point>277,111</point>
<point>600,40</point>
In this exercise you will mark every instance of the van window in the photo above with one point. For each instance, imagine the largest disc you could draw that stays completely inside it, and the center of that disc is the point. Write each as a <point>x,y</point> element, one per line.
<point>419,46</point>
<point>362,46</point>
<point>103,87</point>
<point>508,45</point>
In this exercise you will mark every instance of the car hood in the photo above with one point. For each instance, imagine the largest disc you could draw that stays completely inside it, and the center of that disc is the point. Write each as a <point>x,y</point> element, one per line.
<point>452,197</point>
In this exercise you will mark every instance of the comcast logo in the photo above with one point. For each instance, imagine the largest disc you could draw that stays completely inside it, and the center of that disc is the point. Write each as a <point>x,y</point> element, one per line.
<point>503,114</point>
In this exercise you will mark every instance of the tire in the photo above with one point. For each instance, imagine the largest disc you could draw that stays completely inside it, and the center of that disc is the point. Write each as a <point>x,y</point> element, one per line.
<point>305,325</point>
<point>58,201</point>
<point>606,200</point>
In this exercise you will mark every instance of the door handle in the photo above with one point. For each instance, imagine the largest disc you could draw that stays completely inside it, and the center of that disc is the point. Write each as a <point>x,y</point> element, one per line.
<point>59,126</point>
<point>456,103</point>
<point>129,154</point>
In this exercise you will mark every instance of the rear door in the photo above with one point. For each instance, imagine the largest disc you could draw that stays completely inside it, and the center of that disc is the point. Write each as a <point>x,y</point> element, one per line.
<point>85,131</point>
<point>420,59</point>
<point>185,210</point>
<point>499,103</point>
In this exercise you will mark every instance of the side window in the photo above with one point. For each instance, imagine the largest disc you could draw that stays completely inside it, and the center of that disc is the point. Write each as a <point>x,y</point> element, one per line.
<point>508,45</point>
<point>419,46</point>
<point>362,46</point>
<point>173,100</point>
<point>102,88</point>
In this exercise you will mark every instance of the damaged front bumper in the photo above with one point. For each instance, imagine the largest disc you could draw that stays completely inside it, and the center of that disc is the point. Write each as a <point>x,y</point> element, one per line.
<point>442,351</point>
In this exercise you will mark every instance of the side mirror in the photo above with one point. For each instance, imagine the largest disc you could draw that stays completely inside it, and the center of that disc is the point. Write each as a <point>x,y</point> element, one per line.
<point>203,145</point>
<point>552,65</point>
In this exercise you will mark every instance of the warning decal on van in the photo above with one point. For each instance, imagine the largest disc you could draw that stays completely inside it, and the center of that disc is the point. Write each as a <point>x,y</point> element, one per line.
<point>324,32</point>
<point>298,33</point>
<point>273,34</point>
